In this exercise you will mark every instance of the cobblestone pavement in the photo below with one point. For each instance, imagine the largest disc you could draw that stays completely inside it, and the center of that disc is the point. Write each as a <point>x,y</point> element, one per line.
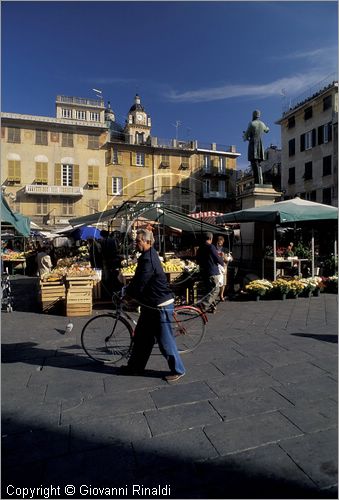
<point>254,417</point>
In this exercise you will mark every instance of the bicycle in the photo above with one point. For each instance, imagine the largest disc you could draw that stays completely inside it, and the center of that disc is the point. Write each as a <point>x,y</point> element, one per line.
<point>108,338</point>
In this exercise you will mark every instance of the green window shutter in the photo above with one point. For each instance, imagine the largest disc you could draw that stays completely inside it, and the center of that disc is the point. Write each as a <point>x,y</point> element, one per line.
<point>11,170</point>
<point>17,171</point>
<point>57,174</point>
<point>90,174</point>
<point>38,172</point>
<point>44,173</point>
<point>119,158</point>
<point>109,186</point>
<point>148,160</point>
<point>76,178</point>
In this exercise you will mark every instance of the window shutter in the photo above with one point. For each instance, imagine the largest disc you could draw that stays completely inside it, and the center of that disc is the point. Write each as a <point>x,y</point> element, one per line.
<point>57,174</point>
<point>314,137</point>
<point>11,169</point>
<point>329,130</point>
<point>320,135</point>
<point>133,158</point>
<point>302,142</point>
<point>17,171</point>
<point>96,175</point>
<point>147,160</point>
<point>140,187</point>
<point>124,185</point>
<point>109,186</point>
<point>90,174</point>
<point>38,172</point>
<point>119,158</point>
<point>44,173</point>
<point>76,178</point>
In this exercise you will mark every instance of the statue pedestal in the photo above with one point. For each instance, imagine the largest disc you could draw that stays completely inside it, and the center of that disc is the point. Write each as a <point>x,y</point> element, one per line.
<point>259,195</point>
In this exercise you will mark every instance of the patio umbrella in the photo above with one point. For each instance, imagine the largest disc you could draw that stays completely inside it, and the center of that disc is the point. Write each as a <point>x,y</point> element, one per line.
<point>294,210</point>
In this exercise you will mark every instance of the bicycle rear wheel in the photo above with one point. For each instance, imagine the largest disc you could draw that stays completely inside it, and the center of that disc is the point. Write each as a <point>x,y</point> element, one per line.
<point>188,327</point>
<point>107,338</point>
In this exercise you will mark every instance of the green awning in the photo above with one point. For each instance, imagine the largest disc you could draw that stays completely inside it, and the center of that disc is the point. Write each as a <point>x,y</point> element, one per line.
<point>18,221</point>
<point>153,212</point>
<point>295,210</point>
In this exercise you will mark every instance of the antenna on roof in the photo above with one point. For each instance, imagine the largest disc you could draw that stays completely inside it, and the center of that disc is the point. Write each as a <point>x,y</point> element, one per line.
<point>176,125</point>
<point>98,93</point>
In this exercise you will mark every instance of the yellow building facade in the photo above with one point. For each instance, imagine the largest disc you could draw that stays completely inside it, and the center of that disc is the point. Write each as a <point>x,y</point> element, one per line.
<point>83,162</point>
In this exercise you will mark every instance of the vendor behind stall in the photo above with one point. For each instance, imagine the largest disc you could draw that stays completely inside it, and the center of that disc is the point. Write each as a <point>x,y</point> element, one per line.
<point>44,261</point>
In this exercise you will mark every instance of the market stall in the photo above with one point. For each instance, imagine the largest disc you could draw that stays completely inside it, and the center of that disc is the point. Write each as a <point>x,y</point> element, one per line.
<point>297,211</point>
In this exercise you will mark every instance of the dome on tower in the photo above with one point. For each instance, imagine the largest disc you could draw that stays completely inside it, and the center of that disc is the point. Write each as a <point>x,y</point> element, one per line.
<point>136,106</point>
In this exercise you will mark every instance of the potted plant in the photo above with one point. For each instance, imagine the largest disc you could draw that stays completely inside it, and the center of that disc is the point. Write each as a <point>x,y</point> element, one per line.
<point>281,287</point>
<point>330,284</point>
<point>296,287</point>
<point>310,284</point>
<point>258,288</point>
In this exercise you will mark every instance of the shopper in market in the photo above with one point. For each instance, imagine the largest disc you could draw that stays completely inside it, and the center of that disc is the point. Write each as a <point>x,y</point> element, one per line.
<point>226,257</point>
<point>150,288</point>
<point>44,261</point>
<point>208,260</point>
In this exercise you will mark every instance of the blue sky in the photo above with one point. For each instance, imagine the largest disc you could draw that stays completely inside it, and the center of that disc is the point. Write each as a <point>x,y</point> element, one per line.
<point>206,64</point>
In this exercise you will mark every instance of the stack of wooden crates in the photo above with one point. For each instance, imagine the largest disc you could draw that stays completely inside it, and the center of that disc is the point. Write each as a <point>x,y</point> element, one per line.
<point>78,296</point>
<point>52,295</point>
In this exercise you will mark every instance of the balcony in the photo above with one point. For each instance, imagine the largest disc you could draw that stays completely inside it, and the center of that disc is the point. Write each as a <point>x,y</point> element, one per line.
<point>207,170</point>
<point>53,190</point>
<point>215,194</point>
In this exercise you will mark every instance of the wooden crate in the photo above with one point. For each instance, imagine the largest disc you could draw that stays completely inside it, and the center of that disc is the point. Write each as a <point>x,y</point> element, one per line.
<point>78,309</point>
<point>51,294</point>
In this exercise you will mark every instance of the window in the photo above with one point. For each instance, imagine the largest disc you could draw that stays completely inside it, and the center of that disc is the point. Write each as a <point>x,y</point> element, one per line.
<point>327,102</point>
<point>291,175</point>
<point>139,137</point>
<point>327,165</point>
<point>313,195</point>
<point>67,207</point>
<point>207,163</point>
<point>325,133</point>
<point>94,117</point>
<point>93,206</point>
<point>291,122</point>
<point>140,159</point>
<point>14,171</point>
<point>41,172</point>
<point>14,135</point>
<point>66,113</point>
<point>67,140</point>
<point>93,142</point>
<point>308,140</point>
<point>41,137</point>
<point>327,197</point>
<point>185,186</point>
<point>222,165</point>
<point>308,113</point>
<point>42,205</point>
<point>308,171</point>
<point>206,186</point>
<point>184,163</point>
<point>67,175</point>
<point>80,115</point>
<point>117,185</point>
<point>165,185</point>
<point>165,161</point>
<point>291,147</point>
<point>93,176</point>
<point>221,186</point>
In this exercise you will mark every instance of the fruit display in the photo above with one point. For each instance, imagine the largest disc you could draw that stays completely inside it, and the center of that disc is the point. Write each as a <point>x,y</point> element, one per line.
<point>173,266</point>
<point>68,267</point>
<point>129,270</point>
<point>12,255</point>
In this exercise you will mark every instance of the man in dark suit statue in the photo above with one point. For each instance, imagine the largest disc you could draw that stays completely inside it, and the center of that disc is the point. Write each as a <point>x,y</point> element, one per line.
<point>256,152</point>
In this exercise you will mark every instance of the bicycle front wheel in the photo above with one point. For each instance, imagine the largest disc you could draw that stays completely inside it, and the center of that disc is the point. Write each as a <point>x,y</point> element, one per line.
<point>189,325</point>
<point>107,338</point>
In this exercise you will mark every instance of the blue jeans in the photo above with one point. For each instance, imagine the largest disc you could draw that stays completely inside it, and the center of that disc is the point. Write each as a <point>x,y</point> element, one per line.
<point>155,324</point>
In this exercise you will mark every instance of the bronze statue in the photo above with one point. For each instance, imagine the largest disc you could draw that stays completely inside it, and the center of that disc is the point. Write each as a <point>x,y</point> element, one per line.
<point>255,147</point>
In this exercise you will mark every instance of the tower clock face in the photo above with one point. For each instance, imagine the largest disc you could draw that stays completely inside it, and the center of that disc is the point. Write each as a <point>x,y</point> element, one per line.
<point>139,118</point>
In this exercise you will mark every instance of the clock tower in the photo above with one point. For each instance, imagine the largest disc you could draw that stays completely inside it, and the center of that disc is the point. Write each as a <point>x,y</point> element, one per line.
<point>138,123</point>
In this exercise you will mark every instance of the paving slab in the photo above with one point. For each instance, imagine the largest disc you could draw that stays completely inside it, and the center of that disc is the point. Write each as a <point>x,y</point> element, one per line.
<point>181,394</point>
<point>317,455</point>
<point>249,432</point>
<point>182,417</point>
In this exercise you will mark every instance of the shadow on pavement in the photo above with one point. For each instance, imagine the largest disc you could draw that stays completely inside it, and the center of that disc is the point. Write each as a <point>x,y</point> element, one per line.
<point>324,338</point>
<point>34,456</point>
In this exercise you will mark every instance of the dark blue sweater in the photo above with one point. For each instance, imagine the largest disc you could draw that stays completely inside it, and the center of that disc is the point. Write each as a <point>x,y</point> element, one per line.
<point>208,260</point>
<point>149,286</point>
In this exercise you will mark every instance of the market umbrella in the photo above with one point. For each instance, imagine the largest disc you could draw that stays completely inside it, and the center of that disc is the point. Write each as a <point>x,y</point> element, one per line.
<point>18,221</point>
<point>294,210</point>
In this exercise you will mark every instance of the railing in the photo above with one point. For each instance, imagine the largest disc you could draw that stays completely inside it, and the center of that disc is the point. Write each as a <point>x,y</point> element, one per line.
<point>80,100</point>
<point>215,194</point>
<point>311,92</point>
<point>54,190</point>
<point>215,147</point>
